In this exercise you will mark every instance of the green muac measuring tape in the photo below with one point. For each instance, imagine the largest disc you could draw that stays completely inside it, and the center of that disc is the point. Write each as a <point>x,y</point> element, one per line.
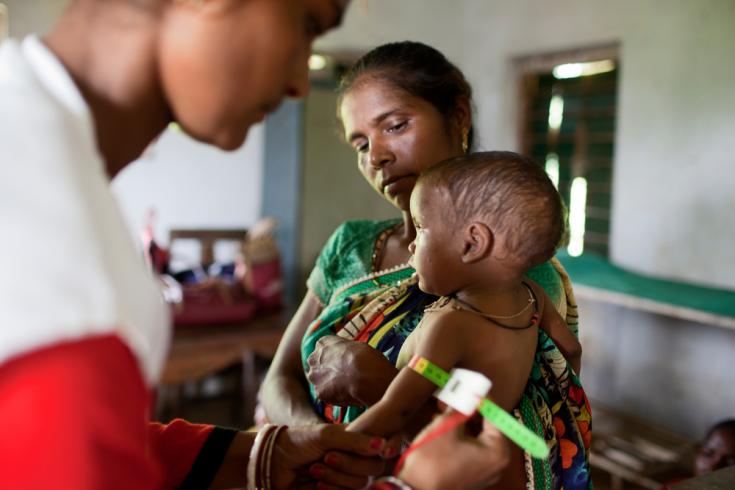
<point>505,422</point>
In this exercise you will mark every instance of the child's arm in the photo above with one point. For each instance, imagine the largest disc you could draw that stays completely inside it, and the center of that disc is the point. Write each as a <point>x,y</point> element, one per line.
<point>408,392</point>
<point>555,327</point>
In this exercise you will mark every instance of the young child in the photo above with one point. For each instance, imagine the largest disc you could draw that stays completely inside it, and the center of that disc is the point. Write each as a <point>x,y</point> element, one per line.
<point>482,221</point>
<point>718,448</point>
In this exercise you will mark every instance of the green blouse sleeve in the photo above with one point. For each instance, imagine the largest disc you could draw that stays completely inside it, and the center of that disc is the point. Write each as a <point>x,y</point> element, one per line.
<point>319,280</point>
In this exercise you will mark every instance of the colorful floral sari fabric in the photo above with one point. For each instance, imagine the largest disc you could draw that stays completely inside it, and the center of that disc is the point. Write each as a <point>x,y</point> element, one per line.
<point>383,308</point>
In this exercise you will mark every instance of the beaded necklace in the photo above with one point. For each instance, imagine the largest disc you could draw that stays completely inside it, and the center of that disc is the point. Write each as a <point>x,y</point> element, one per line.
<point>379,250</point>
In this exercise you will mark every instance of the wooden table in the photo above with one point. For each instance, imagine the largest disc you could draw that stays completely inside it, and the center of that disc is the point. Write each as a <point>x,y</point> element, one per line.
<point>199,352</point>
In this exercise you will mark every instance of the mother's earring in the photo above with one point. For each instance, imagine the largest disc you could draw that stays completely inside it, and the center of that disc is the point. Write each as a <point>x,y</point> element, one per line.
<point>465,140</point>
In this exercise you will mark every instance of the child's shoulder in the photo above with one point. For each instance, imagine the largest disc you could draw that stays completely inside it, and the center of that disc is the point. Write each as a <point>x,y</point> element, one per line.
<point>444,336</point>
<point>448,321</point>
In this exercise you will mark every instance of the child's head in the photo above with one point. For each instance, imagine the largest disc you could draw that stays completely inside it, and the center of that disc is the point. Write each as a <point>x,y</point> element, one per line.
<point>718,449</point>
<point>498,205</point>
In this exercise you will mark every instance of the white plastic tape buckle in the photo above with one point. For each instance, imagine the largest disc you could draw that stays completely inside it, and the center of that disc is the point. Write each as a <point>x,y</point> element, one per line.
<point>464,390</point>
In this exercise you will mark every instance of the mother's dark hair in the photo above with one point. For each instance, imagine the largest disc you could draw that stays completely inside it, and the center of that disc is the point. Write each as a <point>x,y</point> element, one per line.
<point>416,69</point>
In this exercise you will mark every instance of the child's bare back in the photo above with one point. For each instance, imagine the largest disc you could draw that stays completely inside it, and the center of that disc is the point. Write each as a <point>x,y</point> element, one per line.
<point>451,336</point>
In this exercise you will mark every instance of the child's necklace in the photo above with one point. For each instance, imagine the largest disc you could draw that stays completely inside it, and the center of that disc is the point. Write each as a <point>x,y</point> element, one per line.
<point>494,318</point>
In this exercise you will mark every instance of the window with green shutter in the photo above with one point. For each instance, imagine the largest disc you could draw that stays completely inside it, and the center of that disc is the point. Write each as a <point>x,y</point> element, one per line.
<point>568,125</point>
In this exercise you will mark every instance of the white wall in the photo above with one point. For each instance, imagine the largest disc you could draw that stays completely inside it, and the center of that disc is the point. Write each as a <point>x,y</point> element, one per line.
<point>675,373</point>
<point>191,185</point>
<point>33,16</point>
<point>673,203</point>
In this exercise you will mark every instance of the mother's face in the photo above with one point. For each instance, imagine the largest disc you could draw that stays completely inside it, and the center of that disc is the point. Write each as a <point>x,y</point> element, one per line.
<point>396,136</point>
<point>225,64</point>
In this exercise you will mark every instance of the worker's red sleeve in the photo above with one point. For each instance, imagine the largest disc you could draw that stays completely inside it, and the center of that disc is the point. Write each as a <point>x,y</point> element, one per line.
<point>191,454</point>
<point>75,416</point>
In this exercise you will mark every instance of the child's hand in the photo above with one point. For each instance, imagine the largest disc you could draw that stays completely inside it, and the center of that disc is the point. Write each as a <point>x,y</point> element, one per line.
<point>557,329</point>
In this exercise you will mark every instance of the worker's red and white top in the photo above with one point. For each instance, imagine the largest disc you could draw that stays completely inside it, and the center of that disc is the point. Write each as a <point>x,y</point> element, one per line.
<point>83,329</point>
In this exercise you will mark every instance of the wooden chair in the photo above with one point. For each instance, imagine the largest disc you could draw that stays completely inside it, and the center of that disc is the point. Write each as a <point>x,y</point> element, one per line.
<point>207,238</point>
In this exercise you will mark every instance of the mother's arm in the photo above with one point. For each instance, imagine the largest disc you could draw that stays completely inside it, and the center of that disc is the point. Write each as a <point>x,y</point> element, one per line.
<point>284,394</point>
<point>343,372</point>
<point>346,372</point>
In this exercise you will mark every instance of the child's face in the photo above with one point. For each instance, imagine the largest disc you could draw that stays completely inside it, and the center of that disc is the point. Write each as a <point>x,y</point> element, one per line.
<point>436,251</point>
<point>717,452</point>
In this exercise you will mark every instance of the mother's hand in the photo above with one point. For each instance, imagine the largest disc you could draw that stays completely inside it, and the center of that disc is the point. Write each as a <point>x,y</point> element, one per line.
<point>345,372</point>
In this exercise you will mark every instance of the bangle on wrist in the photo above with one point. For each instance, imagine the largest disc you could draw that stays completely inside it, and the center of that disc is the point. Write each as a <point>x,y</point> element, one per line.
<point>268,457</point>
<point>255,455</point>
<point>259,465</point>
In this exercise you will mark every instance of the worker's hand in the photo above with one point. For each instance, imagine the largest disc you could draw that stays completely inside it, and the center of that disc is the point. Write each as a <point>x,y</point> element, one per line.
<point>457,461</point>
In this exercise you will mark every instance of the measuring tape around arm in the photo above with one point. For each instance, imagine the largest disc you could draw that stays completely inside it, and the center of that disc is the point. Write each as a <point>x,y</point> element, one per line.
<point>460,396</point>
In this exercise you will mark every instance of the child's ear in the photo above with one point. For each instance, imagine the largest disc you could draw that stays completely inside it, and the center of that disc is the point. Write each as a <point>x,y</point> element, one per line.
<point>478,241</point>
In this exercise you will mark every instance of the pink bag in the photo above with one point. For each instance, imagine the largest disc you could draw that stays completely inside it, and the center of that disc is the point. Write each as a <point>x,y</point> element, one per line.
<point>263,278</point>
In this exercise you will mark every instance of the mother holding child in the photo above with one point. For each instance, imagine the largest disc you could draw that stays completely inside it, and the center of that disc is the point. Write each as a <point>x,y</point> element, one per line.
<point>483,268</point>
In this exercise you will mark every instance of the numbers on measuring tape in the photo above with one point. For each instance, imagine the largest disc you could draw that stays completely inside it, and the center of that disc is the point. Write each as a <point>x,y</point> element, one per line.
<point>430,371</point>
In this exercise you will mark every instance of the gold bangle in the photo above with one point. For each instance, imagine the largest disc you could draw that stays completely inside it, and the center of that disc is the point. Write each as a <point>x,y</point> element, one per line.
<point>268,456</point>
<point>254,463</point>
